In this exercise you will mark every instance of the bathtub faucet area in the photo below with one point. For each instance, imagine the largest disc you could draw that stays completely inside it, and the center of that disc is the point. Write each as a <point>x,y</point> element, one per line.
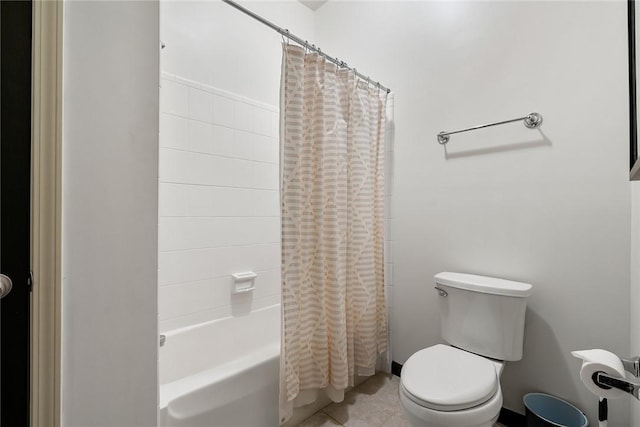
<point>200,385</point>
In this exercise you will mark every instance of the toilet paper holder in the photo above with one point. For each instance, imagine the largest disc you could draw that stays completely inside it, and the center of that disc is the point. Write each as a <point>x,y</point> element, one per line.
<point>606,381</point>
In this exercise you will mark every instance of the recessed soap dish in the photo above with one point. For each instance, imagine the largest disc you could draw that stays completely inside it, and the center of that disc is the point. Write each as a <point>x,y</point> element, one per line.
<point>243,282</point>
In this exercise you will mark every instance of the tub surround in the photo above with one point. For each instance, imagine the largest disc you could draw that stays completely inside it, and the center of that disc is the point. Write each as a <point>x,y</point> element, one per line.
<point>203,214</point>
<point>219,213</point>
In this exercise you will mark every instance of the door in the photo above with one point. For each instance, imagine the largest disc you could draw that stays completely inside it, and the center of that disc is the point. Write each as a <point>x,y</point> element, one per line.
<point>15,160</point>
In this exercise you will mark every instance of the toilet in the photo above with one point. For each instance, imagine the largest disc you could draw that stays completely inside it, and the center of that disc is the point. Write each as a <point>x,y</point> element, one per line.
<point>458,385</point>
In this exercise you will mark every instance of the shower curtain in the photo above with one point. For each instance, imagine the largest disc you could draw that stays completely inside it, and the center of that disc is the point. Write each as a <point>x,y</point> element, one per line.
<point>334,322</point>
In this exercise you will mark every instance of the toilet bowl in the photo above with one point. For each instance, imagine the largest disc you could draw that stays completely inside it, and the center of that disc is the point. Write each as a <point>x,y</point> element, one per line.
<point>458,385</point>
<point>443,386</point>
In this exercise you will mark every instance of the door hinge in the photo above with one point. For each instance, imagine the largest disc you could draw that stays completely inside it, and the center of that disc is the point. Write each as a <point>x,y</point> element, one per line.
<point>30,281</point>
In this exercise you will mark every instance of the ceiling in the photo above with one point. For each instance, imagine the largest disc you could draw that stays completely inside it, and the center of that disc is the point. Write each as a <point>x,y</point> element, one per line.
<point>313,4</point>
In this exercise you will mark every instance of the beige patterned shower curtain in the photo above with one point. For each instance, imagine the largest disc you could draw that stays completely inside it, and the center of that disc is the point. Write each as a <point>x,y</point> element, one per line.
<point>332,200</point>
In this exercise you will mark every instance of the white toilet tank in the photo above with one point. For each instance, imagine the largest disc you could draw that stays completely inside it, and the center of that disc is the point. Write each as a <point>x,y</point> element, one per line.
<point>483,315</point>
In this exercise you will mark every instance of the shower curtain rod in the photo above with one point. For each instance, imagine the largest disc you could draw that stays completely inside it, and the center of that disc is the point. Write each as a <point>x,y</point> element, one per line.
<point>285,33</point>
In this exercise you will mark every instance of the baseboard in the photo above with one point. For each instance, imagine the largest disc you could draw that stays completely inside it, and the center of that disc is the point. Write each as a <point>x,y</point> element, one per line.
<point>511,419</point>
<point>507,417</point>
<point>396,368</point>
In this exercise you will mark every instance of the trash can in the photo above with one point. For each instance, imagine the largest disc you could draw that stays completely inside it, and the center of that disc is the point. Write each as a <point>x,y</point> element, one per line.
<point>544,410</point>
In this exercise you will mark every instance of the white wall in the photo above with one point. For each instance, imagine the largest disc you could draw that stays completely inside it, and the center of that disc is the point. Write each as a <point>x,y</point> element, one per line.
<point>110,178</point>
<point>548,206</point>
<point>217,45</point>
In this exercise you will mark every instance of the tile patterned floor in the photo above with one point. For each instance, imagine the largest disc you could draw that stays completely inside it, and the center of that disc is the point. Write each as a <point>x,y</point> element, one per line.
<point>374,403</point>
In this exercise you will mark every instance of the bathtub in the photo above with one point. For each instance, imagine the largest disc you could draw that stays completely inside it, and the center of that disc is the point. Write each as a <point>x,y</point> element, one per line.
<point>222,373</point>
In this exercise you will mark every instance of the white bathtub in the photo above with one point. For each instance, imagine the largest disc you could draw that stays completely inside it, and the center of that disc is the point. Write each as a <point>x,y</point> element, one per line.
<point>222,373</point>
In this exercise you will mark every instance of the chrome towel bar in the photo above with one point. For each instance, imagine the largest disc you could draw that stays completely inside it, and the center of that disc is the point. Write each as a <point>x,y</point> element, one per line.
<point>531,120</point>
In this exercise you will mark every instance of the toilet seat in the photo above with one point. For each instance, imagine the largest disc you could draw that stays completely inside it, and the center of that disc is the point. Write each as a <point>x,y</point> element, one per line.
<point>484,415</point>
<point>445,378</point>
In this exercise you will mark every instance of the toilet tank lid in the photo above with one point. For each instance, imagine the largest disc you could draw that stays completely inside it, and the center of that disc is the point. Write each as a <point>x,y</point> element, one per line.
<point>488,285</point>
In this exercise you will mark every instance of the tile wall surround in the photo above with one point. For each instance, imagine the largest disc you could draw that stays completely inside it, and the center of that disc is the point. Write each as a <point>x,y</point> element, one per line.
<point>219,210</point>
<point>218,202</point>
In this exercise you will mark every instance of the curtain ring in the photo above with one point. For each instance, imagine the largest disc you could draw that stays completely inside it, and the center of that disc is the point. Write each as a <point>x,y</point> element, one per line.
<point>285,37</point>
<point>306,46</point>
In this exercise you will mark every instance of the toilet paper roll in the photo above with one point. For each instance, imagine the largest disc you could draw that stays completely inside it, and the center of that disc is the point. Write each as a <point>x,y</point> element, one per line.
<point>598,360</point>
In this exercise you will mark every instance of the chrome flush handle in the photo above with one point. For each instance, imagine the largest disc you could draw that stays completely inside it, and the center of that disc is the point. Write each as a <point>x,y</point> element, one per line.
<point>441,291</point>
